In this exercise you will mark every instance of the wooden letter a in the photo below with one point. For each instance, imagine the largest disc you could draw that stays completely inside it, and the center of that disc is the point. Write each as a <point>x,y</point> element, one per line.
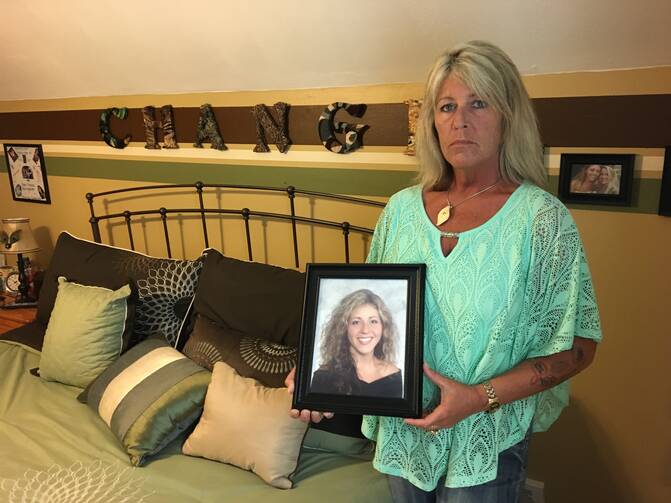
<point>208,129</point>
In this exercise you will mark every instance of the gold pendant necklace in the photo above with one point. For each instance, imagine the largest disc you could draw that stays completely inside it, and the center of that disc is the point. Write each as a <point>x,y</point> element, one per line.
<point>445,213</point>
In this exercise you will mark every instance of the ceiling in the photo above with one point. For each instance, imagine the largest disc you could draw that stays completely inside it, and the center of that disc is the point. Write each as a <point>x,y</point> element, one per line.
<point>73,48</point>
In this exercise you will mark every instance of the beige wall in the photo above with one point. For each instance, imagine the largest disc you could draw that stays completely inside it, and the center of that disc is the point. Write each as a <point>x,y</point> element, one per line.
<point>612,443</point>
<point>271,240</point>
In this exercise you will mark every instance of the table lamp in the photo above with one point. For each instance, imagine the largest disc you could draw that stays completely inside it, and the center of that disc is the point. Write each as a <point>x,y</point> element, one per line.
<point>16,238</point>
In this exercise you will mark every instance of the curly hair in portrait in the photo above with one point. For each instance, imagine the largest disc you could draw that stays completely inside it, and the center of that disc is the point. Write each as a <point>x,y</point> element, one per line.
<point>335,351</point>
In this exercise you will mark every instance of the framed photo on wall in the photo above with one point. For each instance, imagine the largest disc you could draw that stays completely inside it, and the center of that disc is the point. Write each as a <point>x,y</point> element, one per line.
<point>361,346</point>
<point>596,178</point>
<point>27,173</point>
<point>665,194</point>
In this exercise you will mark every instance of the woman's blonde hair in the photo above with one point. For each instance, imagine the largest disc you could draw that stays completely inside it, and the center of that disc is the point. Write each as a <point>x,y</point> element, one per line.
<point>493,77</point>
<point>613,184</point>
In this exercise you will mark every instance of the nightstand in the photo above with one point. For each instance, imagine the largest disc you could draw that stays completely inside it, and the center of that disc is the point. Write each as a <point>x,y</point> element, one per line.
<point>15,318</point>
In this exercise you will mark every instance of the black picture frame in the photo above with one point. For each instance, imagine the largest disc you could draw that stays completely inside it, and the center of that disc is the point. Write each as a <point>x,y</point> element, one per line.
<point>27,173</point>
<point>400,288</point>
<point>613,183</point>
<point>665,192</point>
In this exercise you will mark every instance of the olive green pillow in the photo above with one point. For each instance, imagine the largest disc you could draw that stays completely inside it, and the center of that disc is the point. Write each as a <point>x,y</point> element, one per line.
<point>86,333</point>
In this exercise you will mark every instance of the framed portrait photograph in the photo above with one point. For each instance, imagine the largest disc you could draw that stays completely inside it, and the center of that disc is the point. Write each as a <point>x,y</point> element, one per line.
<point>27,173</point>
<point>665,194</point>
<point>361,346</point>
<point>596,178</point>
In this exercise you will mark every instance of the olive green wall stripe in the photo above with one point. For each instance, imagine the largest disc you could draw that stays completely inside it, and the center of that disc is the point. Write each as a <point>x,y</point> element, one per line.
<point>645,197</point>
<point>339,181</point>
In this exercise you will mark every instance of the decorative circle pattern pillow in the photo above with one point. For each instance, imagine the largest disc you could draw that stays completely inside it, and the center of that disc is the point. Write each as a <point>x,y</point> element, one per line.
<point>164,295</point>
<point>164,287</point>
<point>267,362</point>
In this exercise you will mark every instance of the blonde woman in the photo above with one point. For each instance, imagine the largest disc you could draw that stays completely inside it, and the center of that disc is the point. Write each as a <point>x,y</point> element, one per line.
<point>510,312</point>
<point>608,182</point>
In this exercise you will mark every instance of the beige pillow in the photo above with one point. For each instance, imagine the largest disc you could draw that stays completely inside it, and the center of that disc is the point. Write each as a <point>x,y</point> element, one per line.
<point>248,425</point>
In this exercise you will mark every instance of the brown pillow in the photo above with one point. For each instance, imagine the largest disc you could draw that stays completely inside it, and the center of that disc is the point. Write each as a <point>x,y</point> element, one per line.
<point>247,425</point>
<point>251,298</point>
<point>164,287</point>
<point>265,361</point>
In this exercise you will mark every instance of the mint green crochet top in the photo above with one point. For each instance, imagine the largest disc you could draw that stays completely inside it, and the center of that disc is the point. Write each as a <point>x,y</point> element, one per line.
<point>515,287</point>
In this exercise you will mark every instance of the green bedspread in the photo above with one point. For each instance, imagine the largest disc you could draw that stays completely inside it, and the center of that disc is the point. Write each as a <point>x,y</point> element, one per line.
<point>53,448</point>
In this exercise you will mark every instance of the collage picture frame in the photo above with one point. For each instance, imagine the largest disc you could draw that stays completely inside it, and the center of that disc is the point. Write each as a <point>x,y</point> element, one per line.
<point>27,173</point>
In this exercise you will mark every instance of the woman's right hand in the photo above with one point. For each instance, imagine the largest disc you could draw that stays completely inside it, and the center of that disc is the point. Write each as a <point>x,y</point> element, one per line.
<point>304,415</point>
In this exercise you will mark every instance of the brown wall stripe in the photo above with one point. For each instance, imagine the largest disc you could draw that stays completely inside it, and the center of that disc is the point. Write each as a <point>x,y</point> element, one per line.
<point>606,121</point>
<point>597,121</point>
<point>388,124</point>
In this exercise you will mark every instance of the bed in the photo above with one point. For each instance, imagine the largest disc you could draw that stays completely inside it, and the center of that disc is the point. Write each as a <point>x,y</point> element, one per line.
<point>55,448</point>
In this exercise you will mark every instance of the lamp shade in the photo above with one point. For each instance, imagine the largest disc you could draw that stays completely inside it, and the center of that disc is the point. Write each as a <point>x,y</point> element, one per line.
<point>16,236</point>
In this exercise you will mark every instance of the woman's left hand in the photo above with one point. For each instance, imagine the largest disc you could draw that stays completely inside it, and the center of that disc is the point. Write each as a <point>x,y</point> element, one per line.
<point>457,402</point>
<point>304,415</point>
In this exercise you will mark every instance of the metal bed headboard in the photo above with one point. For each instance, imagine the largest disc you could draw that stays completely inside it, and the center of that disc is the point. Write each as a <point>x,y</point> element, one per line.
<point>244,213</point>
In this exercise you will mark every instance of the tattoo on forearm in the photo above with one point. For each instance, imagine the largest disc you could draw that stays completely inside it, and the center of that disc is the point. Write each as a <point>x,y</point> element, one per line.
<point>548,371</point>
<point>542,375</point>
<point>552,370</point>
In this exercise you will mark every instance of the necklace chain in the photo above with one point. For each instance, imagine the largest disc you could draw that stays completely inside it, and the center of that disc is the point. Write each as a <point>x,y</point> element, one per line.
<point>447,196</point>
<point>444,214</point>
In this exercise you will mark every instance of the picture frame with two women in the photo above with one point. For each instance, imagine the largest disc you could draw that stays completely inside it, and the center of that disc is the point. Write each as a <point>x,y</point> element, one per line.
<point>596,178</point>
<point>361,346</point>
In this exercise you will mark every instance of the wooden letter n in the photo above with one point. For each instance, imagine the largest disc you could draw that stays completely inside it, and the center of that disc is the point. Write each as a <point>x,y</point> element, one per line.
<point>266,126</point>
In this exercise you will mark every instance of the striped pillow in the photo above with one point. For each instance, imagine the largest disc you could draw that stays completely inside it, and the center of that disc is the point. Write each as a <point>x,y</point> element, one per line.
<point>148,397</point>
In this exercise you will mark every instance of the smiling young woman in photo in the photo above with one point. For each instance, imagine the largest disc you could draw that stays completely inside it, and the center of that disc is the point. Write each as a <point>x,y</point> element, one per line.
<point>358,344</point>
<point>587,179</point>
<point>608,182</point>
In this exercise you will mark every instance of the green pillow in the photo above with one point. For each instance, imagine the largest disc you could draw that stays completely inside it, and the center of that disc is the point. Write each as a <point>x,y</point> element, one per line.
<point>148,397</point>
<point>86,332</point>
